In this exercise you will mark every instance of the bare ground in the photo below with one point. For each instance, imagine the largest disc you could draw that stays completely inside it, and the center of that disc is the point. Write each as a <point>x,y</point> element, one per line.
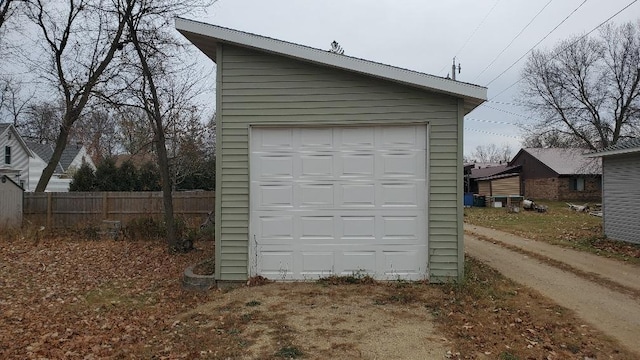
<point>616,313</point>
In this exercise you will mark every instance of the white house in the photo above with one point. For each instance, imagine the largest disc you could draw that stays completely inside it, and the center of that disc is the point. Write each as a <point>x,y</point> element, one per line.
<point>24,161</point>
<point>72,158</point>
<point>16,155</point>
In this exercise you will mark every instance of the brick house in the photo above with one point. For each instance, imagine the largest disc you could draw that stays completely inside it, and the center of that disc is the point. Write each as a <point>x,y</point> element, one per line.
<point>559,174</point>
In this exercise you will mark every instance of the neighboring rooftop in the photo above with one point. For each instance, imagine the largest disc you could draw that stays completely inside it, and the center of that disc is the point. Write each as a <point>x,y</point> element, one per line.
<point>565,161</point>
<point>45,151</point>
<point>493,170</point>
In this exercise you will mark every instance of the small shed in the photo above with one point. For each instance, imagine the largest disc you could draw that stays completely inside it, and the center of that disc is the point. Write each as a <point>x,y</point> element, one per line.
<point>11,195</point>
<point>621,190</point>
<point>330,164</point>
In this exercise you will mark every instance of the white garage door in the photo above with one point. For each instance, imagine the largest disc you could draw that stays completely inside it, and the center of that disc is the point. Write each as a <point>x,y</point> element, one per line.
<point>338,200</point>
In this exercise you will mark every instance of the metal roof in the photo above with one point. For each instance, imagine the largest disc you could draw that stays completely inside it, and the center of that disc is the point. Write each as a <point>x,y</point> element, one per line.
<point>622,147</point>
<point>566,161</point>
<point>206,37</point>
<point>493,170</point>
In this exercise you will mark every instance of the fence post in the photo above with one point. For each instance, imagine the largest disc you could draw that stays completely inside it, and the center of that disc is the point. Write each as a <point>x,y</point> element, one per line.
<point>49,210</point>
<point>105,206</point>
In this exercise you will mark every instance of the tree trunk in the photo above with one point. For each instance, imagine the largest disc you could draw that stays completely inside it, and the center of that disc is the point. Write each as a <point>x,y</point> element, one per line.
<point>154,114</point>
<point>167,197</point>
<point>61,144</point>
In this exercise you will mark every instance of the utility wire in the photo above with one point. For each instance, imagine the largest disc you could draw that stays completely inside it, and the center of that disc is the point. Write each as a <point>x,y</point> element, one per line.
<point>492,121</point>
<point>562,50</point>
<point>493,133</point>
<point>512,40</point>
<point>538,43</point>
<point>473,33</point>
<point>508,112</point>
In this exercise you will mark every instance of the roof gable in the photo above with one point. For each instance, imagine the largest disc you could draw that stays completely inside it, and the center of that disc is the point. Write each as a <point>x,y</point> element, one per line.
<point>6,127</point>
<point>207,36</point>
<point>564,161</point>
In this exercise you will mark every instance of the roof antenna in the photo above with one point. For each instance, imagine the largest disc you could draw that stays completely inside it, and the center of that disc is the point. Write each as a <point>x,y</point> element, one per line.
<point>336,48</point>
<point>453,68</point>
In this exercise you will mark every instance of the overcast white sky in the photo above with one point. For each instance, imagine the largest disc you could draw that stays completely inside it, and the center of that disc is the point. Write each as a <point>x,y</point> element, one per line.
<point>424,35</point>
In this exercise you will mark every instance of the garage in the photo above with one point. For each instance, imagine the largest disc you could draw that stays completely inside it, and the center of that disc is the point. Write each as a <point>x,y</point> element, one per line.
<point>339,200</point>
<point>328,164</point>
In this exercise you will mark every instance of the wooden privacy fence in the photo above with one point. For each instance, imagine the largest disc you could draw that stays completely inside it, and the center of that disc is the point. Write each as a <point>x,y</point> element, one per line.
<point>71,209</point>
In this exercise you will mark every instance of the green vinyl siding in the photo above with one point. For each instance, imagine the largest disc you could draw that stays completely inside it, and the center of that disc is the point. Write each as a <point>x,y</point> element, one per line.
<point>256,88</point>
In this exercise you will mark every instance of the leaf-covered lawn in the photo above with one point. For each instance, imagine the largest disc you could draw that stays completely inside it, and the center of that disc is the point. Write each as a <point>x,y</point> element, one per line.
<point>65,297</point>
<point>559,225</point>
<point>69,298</point>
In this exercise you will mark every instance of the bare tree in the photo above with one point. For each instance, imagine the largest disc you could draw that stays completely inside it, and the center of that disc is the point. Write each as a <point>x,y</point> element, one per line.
<point>13,100</point>
<point>97,130</point>
<point>41,121</point>
<point>492,153</point>
<point>159,84</point>
<point>552,138</point>
<point>7,10</point>
<point>81,38</point>
<point>587,88</point>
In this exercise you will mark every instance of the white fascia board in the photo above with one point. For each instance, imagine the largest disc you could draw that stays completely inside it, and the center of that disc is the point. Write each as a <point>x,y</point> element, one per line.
<point>474,95</point>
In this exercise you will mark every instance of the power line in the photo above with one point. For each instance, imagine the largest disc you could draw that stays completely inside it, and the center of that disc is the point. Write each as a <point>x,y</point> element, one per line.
<point>562,50</point>
<point>492,121</point>
<point>493,133</point>
<point>512,40</point>
<point>474,32</point>
<point>538,43</point>
<point>508,112</point>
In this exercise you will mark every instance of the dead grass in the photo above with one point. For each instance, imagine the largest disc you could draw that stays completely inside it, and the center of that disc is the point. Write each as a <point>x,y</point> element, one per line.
<point>559,226</point>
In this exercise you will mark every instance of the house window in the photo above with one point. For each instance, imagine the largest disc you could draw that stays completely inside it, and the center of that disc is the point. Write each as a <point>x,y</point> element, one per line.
<point>577,184</point>
<point>7,155</point>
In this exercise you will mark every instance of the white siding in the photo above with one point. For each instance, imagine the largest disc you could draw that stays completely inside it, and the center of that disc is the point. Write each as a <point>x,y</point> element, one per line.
<point>621,197</point>
<point>19,158</point>
<point>10,204</point>
<point>36,166</point>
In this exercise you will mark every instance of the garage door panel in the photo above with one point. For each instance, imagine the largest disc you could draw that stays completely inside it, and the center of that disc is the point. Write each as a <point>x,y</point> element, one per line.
<point>402,164</point>
<point>316,138</point>
<point>276,264</point>
<point>357,195</point>
<point>358,262</point>
<point>401,262</point>
<point>316,195</point>
<point>359,228</point>
<point>357,165</point>
<point>401,194</point>
<point>317,263</point>
<point>356,138</point>
<point>316,166</point>
<point>404,228</point>
<point>277,139</point>
<point>273,166</point>
<point>339,201</point>
<point>275,195</point>
<point>317,228</point>
<point>277,228</point>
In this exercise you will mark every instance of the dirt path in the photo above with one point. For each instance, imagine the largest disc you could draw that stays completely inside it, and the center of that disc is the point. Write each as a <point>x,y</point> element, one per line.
<point>614,313</point>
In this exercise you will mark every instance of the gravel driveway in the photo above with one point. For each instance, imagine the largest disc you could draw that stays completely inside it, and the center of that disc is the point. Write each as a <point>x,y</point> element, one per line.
<point>615,310</point>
